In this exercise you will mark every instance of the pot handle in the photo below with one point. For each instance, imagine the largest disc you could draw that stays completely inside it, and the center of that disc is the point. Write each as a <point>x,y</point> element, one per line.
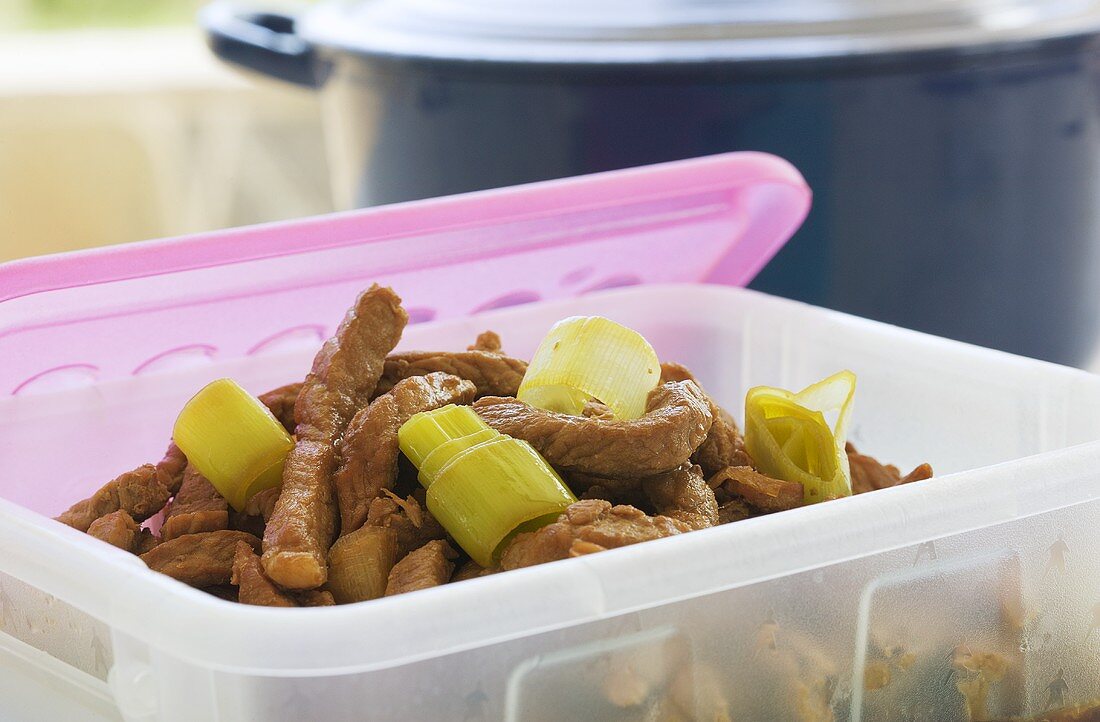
<point>262,41</point>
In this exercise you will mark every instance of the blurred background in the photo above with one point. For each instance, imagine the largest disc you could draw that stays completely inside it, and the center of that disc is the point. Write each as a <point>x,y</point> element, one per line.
<point>953,145</point>
<point>117,124</point>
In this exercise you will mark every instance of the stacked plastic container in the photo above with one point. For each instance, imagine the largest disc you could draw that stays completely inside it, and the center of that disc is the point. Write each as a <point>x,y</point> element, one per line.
<point>881,606</point>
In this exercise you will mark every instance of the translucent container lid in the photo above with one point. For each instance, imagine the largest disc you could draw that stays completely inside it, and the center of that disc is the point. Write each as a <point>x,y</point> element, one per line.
<point>684,30</point>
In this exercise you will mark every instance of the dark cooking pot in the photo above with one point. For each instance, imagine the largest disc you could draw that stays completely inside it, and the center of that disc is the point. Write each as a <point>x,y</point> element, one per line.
<point>954,145</point>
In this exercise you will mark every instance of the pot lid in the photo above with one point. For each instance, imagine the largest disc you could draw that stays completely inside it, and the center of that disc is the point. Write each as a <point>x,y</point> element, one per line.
<point>683,30</point>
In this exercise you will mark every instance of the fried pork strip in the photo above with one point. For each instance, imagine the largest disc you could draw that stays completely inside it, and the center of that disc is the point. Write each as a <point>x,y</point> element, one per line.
<point>761,492</point>
<point>197,507</point>
<point>493,373</point>
<point>144,542</point>
<point>172,466</point>
<point>413,525</point>
<point>672,371</point>
<point>487,341</point>
<point>201,560</point>
<point>141,493</point>
<point>735,510</point>
<point>428,566</point>
<point>344,376</point>
<point>724,445</point>
<point>587,526</point>
<point>468,570</point>
<point>370,451</point>
<point>676,424</point>
<point>117,529</point>
<point>868,474</point>
<point>683,494</point>
<point>254,587</point>
<point>281,401</point>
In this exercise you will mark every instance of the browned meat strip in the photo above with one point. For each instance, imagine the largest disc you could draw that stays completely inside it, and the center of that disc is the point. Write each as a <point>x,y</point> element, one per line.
<point>141,493</point>
<point>724,445</point>
<point>300,532</point>
<point>281,402</point>
<point>201,560</point>
<point>487,341</point>
<point>144,542</point>
<point>370,448</point>
<point>171,467</point>
<point>672,371</point>
<point>468,570</point>
<point>581,482</point>
<point>228,592</point>
<point>597,410</point>
<point>262,503</point>
<point>257,512</point>
<point>428,566</point>
<point>316,598</point>
<point>344,376</point>
<point>240,521</point>
<point>762,492</point>
<point>676,424</point>
<point>868,474</point>
<point>198,507</point>
<point>683,494</point>
<point>413,525</point>
<point>493,374</point>
<point>117,529</point>
<point>255,586</point>
<point>920,473</point>
<point>587,526</point>
<point>617,491</point>
<point>734,510</point>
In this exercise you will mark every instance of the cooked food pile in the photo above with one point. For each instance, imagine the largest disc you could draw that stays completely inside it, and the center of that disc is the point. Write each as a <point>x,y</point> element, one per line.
<point>383,473</point>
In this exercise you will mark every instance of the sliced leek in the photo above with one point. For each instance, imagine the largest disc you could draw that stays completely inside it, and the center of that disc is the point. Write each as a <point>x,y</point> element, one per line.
<point>422,433</point>
<point>448,450</point>
<point>591,357</point>
<point>233,440</point>
<point>483,486</point>
<point>359,564</point>
<point>491,490</point>
<point>800,437</point>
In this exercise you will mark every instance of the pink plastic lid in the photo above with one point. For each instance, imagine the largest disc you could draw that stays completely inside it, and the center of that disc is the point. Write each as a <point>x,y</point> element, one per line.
<point>133,309</point>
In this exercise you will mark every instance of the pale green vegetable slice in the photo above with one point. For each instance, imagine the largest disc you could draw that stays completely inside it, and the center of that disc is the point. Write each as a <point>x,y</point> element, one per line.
<point>233,440</point>
<point>491,490</point>
<point>790,437</point>
<point>591,357</point>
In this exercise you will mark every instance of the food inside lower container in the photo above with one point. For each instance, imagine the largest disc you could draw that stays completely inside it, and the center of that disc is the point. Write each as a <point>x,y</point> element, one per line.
<point>402,471</point>
<point>412,470</point>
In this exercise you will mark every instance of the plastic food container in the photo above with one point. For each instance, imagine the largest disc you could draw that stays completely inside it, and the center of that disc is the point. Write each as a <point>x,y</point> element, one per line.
<point>788,614</point>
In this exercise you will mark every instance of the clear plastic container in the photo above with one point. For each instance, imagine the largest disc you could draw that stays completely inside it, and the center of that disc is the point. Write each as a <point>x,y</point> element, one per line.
<point>783,616</point>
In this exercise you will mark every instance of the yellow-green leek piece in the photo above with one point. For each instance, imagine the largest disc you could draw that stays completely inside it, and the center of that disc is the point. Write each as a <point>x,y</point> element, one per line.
<point>446,452</point>
<point>359,564</point>
<point>789,435</point>
<point>591,357</point>
<point>483,486</point>
<point>487,492</point>
<point>424,432</point>
<point>233,440</point>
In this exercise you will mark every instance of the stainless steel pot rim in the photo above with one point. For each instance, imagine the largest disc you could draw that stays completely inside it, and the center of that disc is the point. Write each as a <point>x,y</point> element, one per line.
<point>626,31</point>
